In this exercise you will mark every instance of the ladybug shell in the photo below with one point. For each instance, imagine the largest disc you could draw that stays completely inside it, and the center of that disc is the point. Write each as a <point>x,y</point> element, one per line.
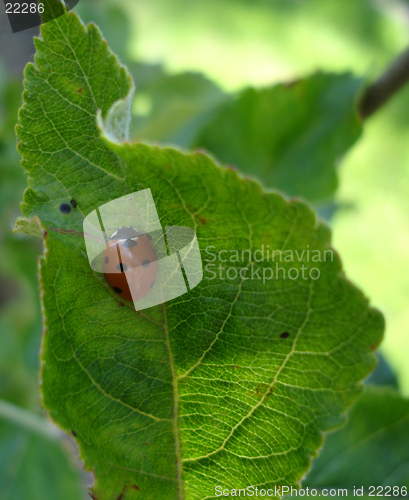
<point>130,265</point>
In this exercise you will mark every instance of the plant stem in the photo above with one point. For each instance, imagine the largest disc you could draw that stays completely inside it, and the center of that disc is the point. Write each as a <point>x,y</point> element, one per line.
<point>376,95</point>
<point>29,420</point>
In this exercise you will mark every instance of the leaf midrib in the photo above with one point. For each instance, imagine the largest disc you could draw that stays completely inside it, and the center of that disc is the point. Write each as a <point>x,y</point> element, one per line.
<point>175,422</point>
<point>165,326</point>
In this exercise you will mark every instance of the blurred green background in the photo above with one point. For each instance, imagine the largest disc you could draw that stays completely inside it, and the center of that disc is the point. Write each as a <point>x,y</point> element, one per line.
<point>234,44</point>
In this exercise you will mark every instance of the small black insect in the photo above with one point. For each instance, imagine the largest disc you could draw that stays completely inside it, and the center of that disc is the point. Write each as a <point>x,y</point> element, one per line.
<point>284,335</point>
<point>65,208</point>
<point>73,203</point>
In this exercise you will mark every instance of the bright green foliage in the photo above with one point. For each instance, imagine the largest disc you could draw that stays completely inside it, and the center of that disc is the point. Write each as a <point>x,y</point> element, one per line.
<point>371,450</point>
<point>289,136</point>
<point>230,384</point>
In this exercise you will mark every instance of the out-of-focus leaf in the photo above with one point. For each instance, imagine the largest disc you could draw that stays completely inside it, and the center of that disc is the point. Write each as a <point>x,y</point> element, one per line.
<point>383,374</point>
<point>180,105</point>
<point>20,316</point>
<point>35,468</point>
<point>372,449</point>
<point>289,136</point>
<point>12,176</point>
<point>231,383</point>
<point>145,75</point>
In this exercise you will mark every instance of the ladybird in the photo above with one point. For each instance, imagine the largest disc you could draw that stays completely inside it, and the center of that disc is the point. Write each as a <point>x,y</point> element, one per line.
<point>129,263</point>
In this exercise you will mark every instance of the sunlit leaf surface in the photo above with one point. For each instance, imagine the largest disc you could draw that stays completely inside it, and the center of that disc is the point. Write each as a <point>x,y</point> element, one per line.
<point>230,384</point>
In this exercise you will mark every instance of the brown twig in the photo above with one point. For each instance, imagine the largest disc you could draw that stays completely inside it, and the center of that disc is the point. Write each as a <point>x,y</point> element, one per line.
<point>376,95</point>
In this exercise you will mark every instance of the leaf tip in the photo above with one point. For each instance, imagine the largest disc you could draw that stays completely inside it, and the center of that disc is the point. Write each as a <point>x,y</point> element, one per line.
<point>29,227</point>
<point>115,126</point>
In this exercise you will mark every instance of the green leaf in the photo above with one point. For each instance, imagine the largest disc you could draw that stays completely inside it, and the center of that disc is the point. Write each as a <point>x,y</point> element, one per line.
<point>30,227</point>
<point>112,20</point>
<point>20,315</point>
<point>75,91</point>
<point>12,178</point>
<point>290,136</point>
<point>179,106</point>
<point>383,374</point>
<point>372,449</point>
<point>230,384</point>
<point>35,468</point>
